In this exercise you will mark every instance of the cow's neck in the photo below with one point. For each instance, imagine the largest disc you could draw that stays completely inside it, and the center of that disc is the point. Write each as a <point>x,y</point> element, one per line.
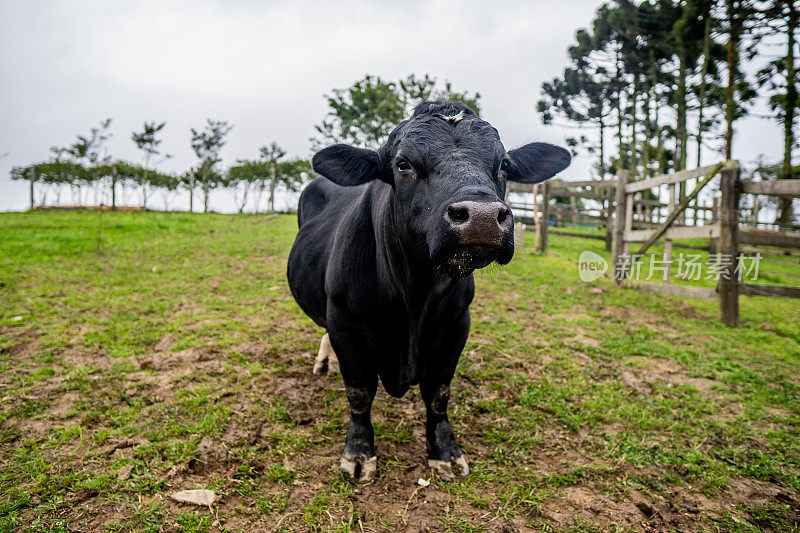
<point>405,266</point>
<point>410,276</point>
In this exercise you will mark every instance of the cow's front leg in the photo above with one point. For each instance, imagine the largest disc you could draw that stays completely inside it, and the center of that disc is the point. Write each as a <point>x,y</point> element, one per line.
<point>444,454</point>
<point>358,457</point>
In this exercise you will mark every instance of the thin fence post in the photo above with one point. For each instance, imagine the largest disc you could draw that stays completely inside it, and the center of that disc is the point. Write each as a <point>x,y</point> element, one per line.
<point>114,188</point>
<point>728,284</point>
<point>31,178</point>
<point>191,191</point>
<point>621,201</point>
<point>537,223</point>
<point>542,220</point>
<point>545,216</point>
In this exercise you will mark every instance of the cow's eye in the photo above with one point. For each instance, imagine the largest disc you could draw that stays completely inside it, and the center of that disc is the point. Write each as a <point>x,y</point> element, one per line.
<point>505,165</point>
<point>404,166</point>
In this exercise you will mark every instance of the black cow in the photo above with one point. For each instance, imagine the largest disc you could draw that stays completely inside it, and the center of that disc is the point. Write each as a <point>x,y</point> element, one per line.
<point>384,257</point>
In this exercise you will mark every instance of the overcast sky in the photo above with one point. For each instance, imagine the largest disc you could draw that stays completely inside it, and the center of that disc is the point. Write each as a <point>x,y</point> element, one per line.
<point>265,66</point>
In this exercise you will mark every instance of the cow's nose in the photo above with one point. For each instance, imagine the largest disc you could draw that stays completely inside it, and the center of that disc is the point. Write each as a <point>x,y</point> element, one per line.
<point>479,223</point>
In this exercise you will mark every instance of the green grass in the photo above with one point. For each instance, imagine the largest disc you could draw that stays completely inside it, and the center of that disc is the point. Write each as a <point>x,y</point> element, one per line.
<point>168,344</point>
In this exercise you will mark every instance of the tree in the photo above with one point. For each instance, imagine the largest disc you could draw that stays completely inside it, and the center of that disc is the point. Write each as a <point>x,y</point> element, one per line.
<point>587,95</point>
<point>780,78</point>
<point>366,112</point>
<point>706,90</point>
<point>740,18</point>
<point>87,152</point>
<point>642,69</point>
<point>89,149</point>
<point>579,97</point>
<point>148,143</point>
<point>53,173</point>
<point>272,153</point>
<point>207,145</point>
<point>245,175</point>
<point>294,173</point>
<point>685,43</point>
<point>268,172</point>
<point>168,184</point>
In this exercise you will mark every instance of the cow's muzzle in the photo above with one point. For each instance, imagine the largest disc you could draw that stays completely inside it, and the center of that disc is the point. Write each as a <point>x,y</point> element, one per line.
<point>479,224</point>
<point>484,231</point>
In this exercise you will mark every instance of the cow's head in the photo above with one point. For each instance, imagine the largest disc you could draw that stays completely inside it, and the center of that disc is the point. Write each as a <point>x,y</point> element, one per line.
<point>448,171</point>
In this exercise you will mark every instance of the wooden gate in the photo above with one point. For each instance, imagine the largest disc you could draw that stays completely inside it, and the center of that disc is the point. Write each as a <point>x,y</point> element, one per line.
<point>723,230</point>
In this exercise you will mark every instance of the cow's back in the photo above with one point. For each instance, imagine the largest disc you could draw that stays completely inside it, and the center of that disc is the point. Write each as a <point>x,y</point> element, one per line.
<point>320,212</point>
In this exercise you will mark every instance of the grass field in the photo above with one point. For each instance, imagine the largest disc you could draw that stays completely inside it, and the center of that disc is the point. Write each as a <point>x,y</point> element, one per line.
<point>164,352</point>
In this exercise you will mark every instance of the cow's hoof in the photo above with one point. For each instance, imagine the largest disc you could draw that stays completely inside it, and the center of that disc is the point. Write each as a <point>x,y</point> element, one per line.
<point>448,470</point>
<point>359,468</point>
<point>326,361</point>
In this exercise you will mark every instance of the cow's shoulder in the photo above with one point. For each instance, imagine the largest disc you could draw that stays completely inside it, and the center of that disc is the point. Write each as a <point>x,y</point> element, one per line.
<point>352,275</point>
<point>325,203</point>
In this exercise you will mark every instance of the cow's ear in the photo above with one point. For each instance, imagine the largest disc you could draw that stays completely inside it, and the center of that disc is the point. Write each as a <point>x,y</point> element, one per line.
<point>347,165</point>
<point>536,162</point>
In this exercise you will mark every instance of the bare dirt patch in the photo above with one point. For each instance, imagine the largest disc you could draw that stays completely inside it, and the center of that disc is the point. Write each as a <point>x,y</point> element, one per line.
<point>647,371</point>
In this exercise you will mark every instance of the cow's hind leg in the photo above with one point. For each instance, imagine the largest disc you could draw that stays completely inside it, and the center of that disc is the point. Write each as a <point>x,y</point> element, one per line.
<point>326,358</point>
<point>444,454</point>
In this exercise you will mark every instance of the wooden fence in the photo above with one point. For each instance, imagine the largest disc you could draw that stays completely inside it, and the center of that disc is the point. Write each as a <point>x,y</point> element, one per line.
<point>725,228</point>
<point>639,216</point>
<point>647,212</point>
<point>540,210</point>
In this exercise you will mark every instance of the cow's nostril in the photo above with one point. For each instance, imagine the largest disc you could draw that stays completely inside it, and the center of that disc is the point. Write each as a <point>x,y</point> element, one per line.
<point>459,215</point>
<point>503,215</point>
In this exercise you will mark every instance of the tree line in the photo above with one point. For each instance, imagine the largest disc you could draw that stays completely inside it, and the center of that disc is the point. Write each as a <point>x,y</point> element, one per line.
<point>87,171</point>
<point>362,114</point>
<point>657,79</point>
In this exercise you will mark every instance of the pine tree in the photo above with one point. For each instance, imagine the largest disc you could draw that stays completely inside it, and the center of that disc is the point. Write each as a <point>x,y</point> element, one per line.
<point>780,78</point>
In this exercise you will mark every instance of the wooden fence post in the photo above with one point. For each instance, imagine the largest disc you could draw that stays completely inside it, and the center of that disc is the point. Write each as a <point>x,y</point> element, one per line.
<point>754,213</point>
<point>728,285</point>
<point>673,192</point>
<point>621,200</point>
<point>713,243</point>
<point>542,220</point>
<point>573,206</point>
<point>609,219</point>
